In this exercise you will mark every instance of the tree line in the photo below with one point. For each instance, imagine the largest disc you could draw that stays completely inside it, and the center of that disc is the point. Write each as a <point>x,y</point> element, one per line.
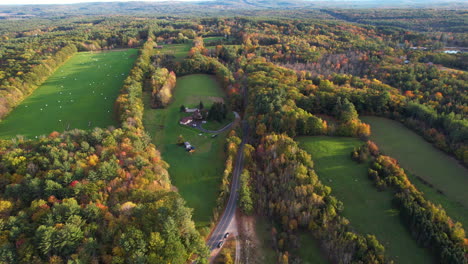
<point>447,131</point>
<point>429,224</point>
<point>288,190</point>
<point>162,82</point>
<point>16,89</point>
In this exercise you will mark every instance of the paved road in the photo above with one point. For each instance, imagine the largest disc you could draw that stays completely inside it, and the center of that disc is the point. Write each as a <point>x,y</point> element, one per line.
<point>218,233</point>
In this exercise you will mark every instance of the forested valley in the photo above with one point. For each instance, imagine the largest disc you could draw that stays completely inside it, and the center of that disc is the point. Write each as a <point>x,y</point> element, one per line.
<point>104,194</point>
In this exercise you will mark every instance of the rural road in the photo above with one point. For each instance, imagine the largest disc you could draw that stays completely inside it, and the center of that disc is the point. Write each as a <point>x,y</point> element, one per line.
<point>237,117</point>
<point>223,225</point>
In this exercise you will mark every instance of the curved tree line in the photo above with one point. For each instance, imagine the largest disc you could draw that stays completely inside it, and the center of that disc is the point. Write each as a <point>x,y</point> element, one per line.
<point>429,224</point>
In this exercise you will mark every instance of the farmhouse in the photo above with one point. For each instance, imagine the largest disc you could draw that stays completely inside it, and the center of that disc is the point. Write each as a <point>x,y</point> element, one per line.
<point>186,120</point>
<point>196,116</point>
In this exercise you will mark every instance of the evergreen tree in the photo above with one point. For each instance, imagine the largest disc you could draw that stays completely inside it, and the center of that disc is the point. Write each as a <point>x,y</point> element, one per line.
<point>180,140</point>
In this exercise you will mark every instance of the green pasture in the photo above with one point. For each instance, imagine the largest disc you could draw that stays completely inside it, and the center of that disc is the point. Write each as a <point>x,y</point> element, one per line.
<point>266,252</point>
<point>448,178</point>
<point>209,40</point>
<point>80,94</point>
<point>369,211</point>
<point>196,175</point>
<point>215,125</point>
<point>180,51</point>
<point>309,250</point>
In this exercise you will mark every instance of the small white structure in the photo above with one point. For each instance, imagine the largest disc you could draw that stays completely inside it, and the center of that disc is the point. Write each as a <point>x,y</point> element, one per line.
<point>190,110</point>
<point>452,51</point>
<point>418,48</point>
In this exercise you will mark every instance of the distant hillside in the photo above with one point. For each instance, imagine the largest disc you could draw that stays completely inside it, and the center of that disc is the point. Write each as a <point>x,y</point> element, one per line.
<point>215,7</point>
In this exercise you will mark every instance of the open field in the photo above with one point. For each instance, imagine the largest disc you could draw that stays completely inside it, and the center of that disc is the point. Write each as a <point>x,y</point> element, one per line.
<point>180,51</point>
<point>215,125</point>
<point>368,210</point>
<point>263,231</point>
<point>418,157</point>
<point>309,250</point>
<point>196,175</point>
<point>80,94</point>
<point>212,39</point>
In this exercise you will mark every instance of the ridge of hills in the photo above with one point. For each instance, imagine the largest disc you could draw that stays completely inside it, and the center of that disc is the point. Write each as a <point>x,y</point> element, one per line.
<point>207,8</point>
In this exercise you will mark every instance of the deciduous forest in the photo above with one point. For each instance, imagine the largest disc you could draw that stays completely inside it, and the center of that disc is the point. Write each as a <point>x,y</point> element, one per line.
<point>104,194</point>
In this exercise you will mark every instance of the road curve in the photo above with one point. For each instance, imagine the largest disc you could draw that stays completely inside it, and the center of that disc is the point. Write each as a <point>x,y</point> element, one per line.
<point>218,233</point>
<point>228,126</point>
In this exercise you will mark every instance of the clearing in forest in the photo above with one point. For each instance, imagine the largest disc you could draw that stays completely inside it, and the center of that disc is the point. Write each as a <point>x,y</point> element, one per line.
<point>369,210</point>
<point>179,51</point>
<point>309,250</point>
<point>446,180</point>
<point>80,94</point>
<point>196,175</point>
<point>208,40</point>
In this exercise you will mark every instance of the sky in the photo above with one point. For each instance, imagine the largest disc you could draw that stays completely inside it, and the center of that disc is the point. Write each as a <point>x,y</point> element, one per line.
<point>24,2</point>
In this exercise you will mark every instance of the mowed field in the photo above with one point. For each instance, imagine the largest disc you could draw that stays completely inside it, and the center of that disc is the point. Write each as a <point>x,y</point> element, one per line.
<point>80,94</point>
<point>180,51</point>
<point>369,211</point>
<point>196,175</point>
<point>418,157</point>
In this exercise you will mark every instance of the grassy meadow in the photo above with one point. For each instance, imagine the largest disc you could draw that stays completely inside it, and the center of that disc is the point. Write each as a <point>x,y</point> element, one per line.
<point>418,157</point>
<point>368,210</point>
<point>80,94</point>
<point>180,51</point>
<point>196,175</point>
<point>265,253</point>
<point>309,250</point>
<point>215,125</point>
<point>208,40</point>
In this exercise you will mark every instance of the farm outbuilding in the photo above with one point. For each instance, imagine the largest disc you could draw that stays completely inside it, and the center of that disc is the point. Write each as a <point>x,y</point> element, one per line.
<point>190,110</point>
<point>189,147</point>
